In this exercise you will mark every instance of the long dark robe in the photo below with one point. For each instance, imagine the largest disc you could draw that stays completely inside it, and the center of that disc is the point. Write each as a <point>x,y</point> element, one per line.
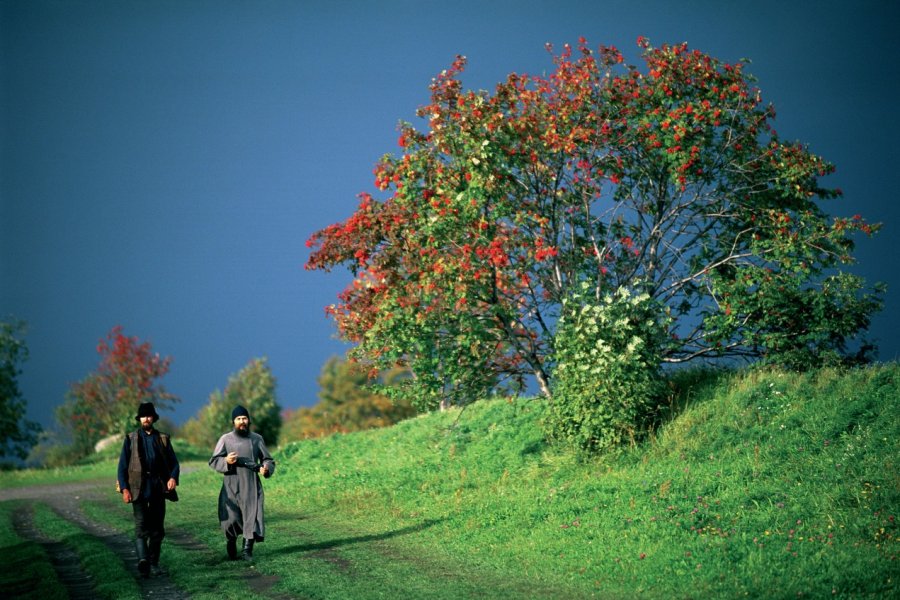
<point>242,498</point>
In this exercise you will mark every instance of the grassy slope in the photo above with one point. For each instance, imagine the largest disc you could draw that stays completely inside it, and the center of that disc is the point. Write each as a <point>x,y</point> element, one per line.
<point>762,484</point>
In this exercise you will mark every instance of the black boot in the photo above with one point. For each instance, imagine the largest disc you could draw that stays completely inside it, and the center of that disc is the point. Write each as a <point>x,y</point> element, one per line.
<point>231,547</point>
<point>142,555</point>
<point>154,552</point>
<point>247,551</point>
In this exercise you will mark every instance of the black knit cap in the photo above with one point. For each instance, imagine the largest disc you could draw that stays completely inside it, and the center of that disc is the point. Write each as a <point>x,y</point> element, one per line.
<point>146,409</point>
<point>239,411</point>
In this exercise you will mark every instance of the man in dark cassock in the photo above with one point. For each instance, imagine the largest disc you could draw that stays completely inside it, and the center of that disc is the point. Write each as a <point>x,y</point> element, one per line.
<point>148,474</point>
<point>241,456</point>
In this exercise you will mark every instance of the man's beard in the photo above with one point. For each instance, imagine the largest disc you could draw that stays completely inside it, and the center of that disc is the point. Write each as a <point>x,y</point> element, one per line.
<point>147,426</point>
<point>242,431</point>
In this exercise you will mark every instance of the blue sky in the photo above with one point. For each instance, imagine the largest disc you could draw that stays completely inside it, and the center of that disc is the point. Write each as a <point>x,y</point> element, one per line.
<point>163,163</point>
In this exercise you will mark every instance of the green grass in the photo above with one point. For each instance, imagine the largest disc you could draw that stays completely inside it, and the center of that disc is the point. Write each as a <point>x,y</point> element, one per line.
<point>55,476</point>
<point>110,578</point>
<point>27,571</point>
<point>764,484</point>
<point>201,573</point>
<point>756,484</point>
<point>96,466</point>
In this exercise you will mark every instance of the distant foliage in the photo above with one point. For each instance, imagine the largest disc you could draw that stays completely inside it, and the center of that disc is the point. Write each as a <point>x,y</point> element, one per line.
<point>210,422</point>
<point>608,379</point>
<point>106,401</point>
<point>347,402</point>
<point>667,179</point>
<point>253,387</point>
<point>17,434</point>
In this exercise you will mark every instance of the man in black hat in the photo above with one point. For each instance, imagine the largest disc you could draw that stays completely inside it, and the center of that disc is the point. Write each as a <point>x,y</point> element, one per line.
<point>241,456</point>
<point>148,474</point>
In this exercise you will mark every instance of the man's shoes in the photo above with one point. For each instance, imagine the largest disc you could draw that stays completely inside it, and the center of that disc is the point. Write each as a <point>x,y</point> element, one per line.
<point>156,570</point>
<point>154,547</point>
<point>143,560</point>
<point>231,548</point>
<point>247,551</point>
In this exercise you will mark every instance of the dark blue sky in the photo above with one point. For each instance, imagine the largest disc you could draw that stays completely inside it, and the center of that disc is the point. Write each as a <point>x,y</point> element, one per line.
<point>163,163</point>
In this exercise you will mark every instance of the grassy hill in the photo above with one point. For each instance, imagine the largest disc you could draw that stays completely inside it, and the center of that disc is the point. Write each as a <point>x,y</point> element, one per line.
<point>757,484</point>
<point>760,484</point>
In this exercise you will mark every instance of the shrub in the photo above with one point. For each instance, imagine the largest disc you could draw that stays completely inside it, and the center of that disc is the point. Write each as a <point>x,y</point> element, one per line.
<point>607,379</point>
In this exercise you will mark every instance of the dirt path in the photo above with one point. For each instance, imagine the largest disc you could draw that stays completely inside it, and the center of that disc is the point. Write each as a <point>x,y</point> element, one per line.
<point>64,500</point>
<point>78,584</point>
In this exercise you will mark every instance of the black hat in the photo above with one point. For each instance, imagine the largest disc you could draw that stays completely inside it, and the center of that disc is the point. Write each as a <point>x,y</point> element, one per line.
<point>239,411</point>
<point>146,409</point>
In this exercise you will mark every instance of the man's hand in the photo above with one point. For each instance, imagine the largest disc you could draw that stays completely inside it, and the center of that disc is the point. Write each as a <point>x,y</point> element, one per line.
<point>126,496</point>
<point>231,458</point>
<point>264,470</point>
<point>171,484</point>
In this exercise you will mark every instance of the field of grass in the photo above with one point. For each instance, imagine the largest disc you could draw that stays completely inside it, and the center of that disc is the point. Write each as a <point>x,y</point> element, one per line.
<point>27,571</point>
<point>757,484</point>
<point>26,477</point>
<point>110,578</point>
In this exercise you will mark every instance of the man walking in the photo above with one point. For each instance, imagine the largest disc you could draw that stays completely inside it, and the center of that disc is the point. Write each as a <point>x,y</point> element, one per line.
<point>148,472</point>
<point>241,455</point>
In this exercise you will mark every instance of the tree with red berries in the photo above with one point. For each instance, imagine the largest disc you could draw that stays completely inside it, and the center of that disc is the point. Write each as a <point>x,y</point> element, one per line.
<point>667,182</point>
<point>106,401</point>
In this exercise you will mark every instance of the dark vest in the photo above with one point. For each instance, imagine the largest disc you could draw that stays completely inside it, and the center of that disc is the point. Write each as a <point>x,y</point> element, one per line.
<point>136,469</point>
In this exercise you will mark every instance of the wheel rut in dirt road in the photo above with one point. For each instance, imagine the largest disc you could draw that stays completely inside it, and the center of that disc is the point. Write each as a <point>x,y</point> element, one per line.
<point>78,584</point>
<point>64,501</point>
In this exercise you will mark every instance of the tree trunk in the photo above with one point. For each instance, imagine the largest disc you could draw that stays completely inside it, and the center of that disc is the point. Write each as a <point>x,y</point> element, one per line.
<point>543,383</point>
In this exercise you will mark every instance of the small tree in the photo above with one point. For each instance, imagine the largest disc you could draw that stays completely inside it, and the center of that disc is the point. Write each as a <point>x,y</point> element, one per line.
<point>668,181</point>
<point>17,434</point>
<point>106,401</point>
<point>211,421</point>
<point>254,388</point>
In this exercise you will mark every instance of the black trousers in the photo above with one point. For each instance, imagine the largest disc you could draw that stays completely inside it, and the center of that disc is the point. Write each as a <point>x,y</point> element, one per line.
<point>149,520</point>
